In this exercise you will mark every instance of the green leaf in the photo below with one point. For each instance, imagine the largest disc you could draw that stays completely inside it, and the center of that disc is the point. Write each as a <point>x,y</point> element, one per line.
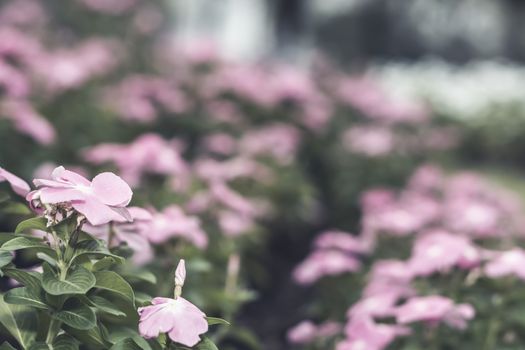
<point>23,296</point>
<point>30,279</point>
<point>6,346</point>
<point>48,259</point>
<point>38,223</point>
<point>142,298</point>
<point>15,208</point>
<point>119,333</point>
<point>113,282</point>
<point>94,248</point>
<point>27,243</point>
<point>65,227</point>
<point>40,346</point>
<point>19,321</point>
<point>77,281</point>
<point>4,197</point>
<point>136,275</point>
<point>106,306</point>
<point>206,344</point>
<point>94,336</point>
<point>216,320</point>
<point>103,264</point>
<point>5,257</point>
<point>65,342</point>
<point>126,344</point>
<point>78,316</point>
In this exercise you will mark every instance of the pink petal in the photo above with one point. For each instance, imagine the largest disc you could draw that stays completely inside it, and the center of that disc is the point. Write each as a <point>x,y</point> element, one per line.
<point>111,189</point>
<point>188,323</point>
<point>155,319</point>
<point>18,185</point>
<point>58,195</point>
<point>63,175</point>
<point>96,212</point>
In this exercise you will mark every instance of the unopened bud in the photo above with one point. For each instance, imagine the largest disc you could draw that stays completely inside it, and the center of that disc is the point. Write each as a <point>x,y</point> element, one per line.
<point>180,277</point>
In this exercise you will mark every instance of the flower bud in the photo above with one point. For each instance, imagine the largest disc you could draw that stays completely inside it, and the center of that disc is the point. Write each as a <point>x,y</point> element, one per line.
<point>180,276</point>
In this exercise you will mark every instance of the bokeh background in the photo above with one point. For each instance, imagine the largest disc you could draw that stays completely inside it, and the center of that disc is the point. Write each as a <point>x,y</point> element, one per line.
<point>269,122</point>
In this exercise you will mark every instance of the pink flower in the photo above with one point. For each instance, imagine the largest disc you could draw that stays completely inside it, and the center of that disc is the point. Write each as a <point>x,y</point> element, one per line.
<point>439,251</point>
<point>139,98</point>
<point>511,262</point>
<point>17,184</point>
<point>220,143</point>
<point>280,141</point>
<point>173,222</point>
<point>434,309</point>
<point>364,334</point>
<point>341,240</point>
<point>101,200</point>
<point>148,154</point>
<point>134,234</point>
<point>110,7</point>
<point>379,305</point>
<point>302,333</point>
<point>234,224</point>
<point>391,277</point>
<point>306,331</point>
<point>182,320</point>
<point>28,121</point>
<point>325,263</point>
<point>371,141</point>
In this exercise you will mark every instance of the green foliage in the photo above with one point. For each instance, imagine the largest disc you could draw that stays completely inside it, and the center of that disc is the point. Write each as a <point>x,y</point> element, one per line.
<point>78,281</point>
<point>82,300</point>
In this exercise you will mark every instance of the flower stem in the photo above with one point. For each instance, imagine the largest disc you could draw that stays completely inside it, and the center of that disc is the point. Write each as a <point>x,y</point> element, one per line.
<point>54,328</point>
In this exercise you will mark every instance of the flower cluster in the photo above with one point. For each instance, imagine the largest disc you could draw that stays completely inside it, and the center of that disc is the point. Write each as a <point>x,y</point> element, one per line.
<point>451,221</point>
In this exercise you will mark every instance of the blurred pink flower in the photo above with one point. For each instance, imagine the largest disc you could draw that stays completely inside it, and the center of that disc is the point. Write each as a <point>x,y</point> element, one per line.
<point>371,141</point>
<point>427,178</point>
<point>147,19</point>
<point>13,82</point>
<point>391,277</point>
<point>302,333</point>
<point>138,98</point>
<point>70,68</point>
<point>110,7</point>
<point>101,200</point>
<point>306,331</point>
<point>439,251</point>
<point>18,185</point>
<point>220,143</point>
<point>134,234</point>
<point>433,310</point>
<point>23,13</point>
<point>28,121</point>
<point>221,193</point>
<point>377,199</point>
<point>378,305</point>
<point>280,141</point>
<point>511,262</point>
<point>148,154</point>
<point>173,222</point>
<point>182,320</point>
<point>370,98</point>
<point>223,171</point>
<point>334,239</point>
<point>473,216</point>
<point>364,334</point>
<point>233,224</point>
<point>322,263</point>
